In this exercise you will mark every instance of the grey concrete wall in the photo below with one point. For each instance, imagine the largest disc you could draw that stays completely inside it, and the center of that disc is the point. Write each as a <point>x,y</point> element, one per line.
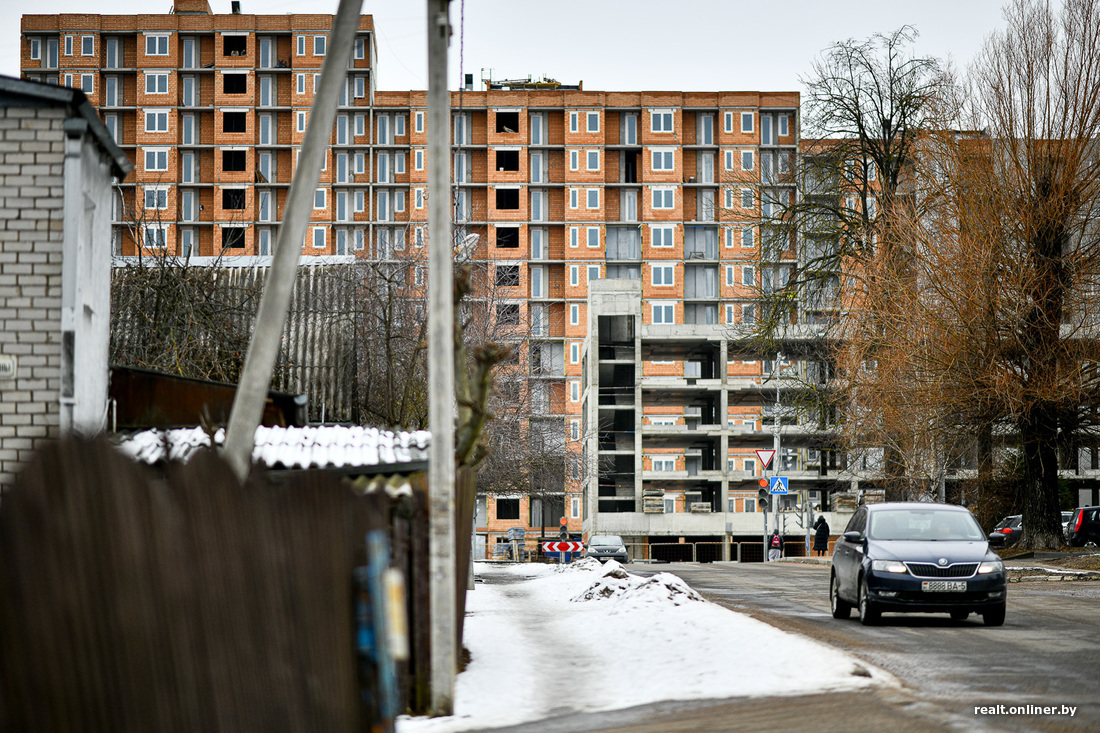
<point>86,282</point>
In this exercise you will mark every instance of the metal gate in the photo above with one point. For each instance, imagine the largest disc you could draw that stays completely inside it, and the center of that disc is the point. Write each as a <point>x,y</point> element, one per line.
<point>708,551</point>
<point>672,552</point>
<point>685,551</point>
<point>712,551</point>
<point>747,552</point>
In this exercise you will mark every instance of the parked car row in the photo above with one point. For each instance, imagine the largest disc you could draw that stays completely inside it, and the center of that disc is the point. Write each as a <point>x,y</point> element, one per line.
<point>1079,527</point>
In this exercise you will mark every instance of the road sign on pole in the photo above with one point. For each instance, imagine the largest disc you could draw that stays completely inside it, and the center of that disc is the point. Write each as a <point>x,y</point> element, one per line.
<point>562,546</point>
<point>779,485</point>
<point>765,457</point>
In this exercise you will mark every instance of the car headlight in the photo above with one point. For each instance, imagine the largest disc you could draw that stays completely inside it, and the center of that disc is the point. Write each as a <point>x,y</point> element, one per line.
<point>991,566</point>
<point>888,566</point>
<point>621,549</point>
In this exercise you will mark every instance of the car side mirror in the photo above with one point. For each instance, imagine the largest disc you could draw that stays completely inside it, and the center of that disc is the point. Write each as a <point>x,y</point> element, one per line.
<point>853,536</point>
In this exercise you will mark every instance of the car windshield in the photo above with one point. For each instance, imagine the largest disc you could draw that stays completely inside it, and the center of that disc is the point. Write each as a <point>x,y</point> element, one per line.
<point>924,524</point>
<point>607,540</point>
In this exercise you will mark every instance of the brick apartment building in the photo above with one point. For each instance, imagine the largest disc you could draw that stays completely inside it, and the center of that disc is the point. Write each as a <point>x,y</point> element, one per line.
<point>564,186</point>
<point>212,109</point>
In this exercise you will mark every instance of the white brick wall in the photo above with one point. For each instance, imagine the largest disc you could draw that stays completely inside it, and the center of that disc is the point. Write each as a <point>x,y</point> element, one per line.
<point>55,193</point>
<point>32,155</point>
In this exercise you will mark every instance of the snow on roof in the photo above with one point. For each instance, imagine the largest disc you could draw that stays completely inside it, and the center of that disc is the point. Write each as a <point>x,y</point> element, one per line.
<point>333,446</point>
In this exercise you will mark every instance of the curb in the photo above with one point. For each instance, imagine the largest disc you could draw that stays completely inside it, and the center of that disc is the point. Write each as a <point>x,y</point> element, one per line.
<point>1060,578</point>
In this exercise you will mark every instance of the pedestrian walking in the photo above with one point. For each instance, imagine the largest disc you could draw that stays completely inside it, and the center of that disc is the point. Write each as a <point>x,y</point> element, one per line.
<point>775,546</point>
<point>821,536</point>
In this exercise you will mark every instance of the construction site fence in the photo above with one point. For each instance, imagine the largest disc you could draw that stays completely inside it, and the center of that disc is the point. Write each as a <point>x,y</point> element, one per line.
<point>526,550</point>
<point>708,551</point>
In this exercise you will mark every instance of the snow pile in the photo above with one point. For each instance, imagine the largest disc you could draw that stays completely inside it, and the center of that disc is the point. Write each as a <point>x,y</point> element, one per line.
<point>617,584</point>
<point>590,564</point>
<point>539,648</point>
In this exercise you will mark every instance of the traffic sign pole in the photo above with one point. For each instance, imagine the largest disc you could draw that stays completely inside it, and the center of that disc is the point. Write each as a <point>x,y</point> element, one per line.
<point>568,546</point>
<point>775,445</point>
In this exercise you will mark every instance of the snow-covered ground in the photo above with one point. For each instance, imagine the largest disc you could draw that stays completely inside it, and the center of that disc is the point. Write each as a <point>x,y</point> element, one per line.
<point>548,640</point>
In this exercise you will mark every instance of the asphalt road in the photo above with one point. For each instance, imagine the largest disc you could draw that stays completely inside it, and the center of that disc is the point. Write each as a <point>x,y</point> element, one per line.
<point>1046,654</point>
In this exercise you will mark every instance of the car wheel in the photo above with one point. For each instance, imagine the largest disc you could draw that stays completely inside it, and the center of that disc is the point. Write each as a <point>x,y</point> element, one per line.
<point>959,615</point>
<point>869,613</point>
<point>994,616</point>
<point>840,607</point>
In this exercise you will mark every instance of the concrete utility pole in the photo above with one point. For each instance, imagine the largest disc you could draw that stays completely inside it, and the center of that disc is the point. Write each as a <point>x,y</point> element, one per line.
<point>441,376</point>
<point>248,403</point>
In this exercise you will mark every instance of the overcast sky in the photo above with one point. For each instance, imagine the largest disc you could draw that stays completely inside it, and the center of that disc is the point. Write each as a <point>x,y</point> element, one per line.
<point>690,45</point>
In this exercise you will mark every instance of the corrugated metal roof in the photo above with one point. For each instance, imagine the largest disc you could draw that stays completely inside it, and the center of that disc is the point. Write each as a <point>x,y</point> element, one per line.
<point>333,446</point>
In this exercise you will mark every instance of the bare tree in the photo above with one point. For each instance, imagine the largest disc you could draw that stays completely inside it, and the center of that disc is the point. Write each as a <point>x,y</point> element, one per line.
<point>1010,331</point>
<point>975,320</point>
<point>868,105</point>
<point>169,316</point>
<point>500,374</point>
<point>391,332</point>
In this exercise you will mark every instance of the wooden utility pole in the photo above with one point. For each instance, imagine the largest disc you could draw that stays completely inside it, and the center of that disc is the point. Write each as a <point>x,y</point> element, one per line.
<point>263,349</point>
<point>441,376</point>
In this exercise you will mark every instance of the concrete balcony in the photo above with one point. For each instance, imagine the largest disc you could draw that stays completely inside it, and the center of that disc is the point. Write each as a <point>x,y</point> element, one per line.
<point>680,383</point>
<point>765,385</point>
<point>717,524</point>
<point>681,476</point>
<point>800,432</point>
<point>640,524</point>
<point>684,331</point>
<point>686,431</point>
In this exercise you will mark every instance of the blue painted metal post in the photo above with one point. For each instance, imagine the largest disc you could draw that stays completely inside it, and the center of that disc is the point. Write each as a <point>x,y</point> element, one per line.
<point>378,559</point>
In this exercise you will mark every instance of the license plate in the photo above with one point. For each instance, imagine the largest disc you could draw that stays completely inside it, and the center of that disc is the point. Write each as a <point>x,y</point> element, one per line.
<point>943,586</point>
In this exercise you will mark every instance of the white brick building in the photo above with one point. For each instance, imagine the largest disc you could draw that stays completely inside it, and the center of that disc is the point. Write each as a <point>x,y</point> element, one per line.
<point>57,161</point>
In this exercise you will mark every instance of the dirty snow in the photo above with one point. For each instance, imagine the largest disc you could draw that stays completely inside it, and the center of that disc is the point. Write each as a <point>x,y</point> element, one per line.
<point>1051,571</point>
<point>550,640</point>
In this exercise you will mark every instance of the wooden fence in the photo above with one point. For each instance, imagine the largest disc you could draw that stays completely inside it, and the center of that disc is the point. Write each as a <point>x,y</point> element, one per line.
<point>176,600</point>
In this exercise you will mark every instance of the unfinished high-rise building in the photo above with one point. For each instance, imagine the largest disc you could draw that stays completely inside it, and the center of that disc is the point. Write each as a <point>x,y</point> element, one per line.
<point>620,229</point>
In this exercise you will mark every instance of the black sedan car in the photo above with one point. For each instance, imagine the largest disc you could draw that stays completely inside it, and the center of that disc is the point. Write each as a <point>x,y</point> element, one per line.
<point>605,547</point>
<point>916,557</point>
